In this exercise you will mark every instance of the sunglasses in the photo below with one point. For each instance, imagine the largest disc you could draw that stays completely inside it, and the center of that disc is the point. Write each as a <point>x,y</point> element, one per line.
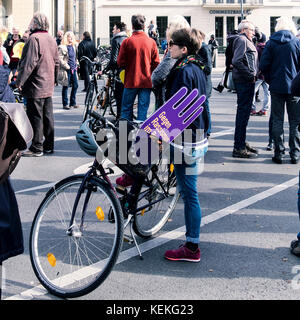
<point>172,43</point>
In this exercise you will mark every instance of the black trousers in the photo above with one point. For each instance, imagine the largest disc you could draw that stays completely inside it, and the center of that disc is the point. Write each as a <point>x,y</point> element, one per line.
<point>119,88</point>
<point>40,114</point>
<point>84,73</point>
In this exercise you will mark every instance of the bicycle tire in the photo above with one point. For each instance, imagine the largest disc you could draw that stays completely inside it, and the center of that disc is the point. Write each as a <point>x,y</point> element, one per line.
<point>105,103</point>
<point>88,103</point>
<point>96,247</point>
<point>147,224</point>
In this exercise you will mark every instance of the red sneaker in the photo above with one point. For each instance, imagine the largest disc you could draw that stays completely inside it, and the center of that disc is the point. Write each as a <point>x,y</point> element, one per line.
<point>183,254</point>
<point>253,113</point>
<point>262,113</point>
<point>124,181</point>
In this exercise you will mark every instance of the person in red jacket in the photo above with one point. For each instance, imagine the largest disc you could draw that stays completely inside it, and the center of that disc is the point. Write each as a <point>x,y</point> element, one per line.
<point>139,57</point>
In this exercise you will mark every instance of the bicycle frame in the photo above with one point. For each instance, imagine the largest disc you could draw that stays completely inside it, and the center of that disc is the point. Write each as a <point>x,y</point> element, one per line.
<point>131,197</point>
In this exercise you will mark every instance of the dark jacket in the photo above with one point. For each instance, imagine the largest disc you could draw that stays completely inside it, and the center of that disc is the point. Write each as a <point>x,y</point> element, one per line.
<point>115,48</point>
<point>260,48</point>
<point>229,50</point>
<point>39,66</point>
<point>87,48</point>
<point>192,77</point>
<point>204,55</point>
<point>11,236</point>
<point>245,60</point>
<point>280,61</point>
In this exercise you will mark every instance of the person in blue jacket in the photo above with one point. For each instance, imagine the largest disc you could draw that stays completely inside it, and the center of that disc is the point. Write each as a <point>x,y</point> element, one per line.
<point>188,72</point>
<point>280,63</point>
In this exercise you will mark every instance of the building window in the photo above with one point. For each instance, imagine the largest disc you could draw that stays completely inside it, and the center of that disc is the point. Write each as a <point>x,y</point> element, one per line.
<point>188,19</point>
<point>230,24</point>
<point>219,1</point>
<point>219,30</point>
<point>162,24</point>
<point>112,22</point>
<point>229,1</point>
<point>272,24</point>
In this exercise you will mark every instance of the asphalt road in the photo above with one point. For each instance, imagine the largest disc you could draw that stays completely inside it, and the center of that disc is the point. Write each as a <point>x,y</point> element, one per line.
<point>249,217</point>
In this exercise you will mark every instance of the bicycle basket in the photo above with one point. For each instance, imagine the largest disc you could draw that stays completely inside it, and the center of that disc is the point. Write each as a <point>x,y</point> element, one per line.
<point>119,146</point>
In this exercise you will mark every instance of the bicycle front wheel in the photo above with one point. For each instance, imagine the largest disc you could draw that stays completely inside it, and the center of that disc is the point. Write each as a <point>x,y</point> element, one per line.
<point>89,101</point>
<point>151,220</point>
<point>73,263</point>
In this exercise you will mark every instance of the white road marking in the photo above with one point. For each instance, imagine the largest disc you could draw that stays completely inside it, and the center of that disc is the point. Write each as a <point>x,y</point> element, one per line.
<point>166,237</point>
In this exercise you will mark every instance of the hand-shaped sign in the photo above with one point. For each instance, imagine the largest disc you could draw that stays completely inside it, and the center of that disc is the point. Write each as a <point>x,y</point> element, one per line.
<point>175,115</point>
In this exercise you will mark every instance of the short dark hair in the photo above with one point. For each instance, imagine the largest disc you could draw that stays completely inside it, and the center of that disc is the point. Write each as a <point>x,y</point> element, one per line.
<point>138,22</point>
<point>121,25</point>
<point>86,35</point>
<point>190,38</point>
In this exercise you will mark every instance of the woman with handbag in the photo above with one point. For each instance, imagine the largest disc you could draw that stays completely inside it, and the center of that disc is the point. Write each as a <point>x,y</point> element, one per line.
<point>67,75</point>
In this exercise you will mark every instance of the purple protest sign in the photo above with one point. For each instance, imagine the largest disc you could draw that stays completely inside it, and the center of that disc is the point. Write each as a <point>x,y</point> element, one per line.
<point>173,117</point>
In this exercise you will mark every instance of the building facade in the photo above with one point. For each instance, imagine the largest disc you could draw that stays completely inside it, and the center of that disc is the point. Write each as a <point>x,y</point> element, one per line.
<point>218,17</point>
<point>75,15</point>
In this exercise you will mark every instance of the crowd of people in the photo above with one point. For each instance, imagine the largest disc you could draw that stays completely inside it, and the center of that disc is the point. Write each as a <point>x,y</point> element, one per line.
<point>187,62</point>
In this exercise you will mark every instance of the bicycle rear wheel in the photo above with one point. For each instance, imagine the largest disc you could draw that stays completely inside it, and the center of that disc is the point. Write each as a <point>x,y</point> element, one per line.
<point>151,220</point>
<point>72,265</point>
<point>106,104</point>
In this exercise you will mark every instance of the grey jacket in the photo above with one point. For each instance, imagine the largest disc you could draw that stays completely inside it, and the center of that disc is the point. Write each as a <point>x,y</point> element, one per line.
<point>159,76</point>
<point>245,60</point>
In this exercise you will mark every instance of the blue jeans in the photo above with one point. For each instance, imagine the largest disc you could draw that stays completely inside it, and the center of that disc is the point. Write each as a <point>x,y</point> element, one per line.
<point>206,105</point>
<point>186,175</point>
<point>245,93</point>
<point>73,80</point>
<point>129,96</point>
<point>267,97</point>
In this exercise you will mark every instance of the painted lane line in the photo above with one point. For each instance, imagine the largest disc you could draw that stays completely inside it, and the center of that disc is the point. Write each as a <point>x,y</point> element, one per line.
<point>164,238</point>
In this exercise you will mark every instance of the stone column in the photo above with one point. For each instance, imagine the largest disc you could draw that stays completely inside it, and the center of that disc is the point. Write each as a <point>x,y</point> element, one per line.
<point>69,16</point>
<point>82,17</point>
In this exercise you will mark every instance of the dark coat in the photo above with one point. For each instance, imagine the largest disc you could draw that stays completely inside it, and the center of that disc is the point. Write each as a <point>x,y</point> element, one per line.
<point>280,61</point>
<point>229,50</point>
<point>87,48</point>
<point>192,77</point>
<point>115,49</point>
<point>11,235</point>
<point>245,60</point>
<point>204,54</point>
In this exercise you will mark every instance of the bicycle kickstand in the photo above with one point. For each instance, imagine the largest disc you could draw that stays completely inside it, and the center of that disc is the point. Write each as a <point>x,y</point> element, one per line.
<point>132,239</point>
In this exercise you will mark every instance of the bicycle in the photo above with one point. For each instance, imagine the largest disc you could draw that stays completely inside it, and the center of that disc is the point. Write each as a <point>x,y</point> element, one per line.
<point>78,230</point>
<point>100,100</point>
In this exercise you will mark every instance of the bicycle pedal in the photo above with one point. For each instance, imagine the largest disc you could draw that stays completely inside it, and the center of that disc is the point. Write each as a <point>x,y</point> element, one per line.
<point>121,190</point>
<point>128,239</point>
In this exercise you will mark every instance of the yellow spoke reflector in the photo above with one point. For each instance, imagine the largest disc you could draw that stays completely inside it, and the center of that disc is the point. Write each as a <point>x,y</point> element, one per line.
<point>171,167</point>
<point>100,213</point>
<point>51,259</point>
<point>143,212</point>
